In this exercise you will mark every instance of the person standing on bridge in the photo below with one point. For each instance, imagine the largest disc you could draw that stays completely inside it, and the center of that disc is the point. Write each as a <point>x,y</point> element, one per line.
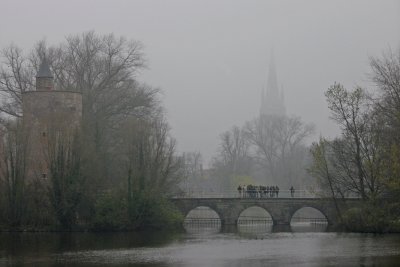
<point>277,191</point>
<point>292,191</point>
<point>240,190</point>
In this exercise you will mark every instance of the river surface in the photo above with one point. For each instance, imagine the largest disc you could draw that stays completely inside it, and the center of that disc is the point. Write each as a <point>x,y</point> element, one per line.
<point>261,246</point>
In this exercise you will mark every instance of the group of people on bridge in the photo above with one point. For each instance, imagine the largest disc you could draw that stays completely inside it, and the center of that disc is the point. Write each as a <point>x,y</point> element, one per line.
<point>260,191</point>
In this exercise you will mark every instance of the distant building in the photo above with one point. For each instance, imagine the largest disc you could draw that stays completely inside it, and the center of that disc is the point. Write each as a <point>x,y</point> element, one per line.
<point>272,99</point>
<point>44,111</point>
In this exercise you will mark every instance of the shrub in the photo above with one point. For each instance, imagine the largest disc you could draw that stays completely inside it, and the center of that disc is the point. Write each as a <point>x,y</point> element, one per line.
<point>113,213</point>
<point>371,217</point>
<point>147,211</point>
<point>110,213</point>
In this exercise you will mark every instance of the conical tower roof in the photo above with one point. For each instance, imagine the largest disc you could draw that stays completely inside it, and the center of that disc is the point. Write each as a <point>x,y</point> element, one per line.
<point>44,70</point>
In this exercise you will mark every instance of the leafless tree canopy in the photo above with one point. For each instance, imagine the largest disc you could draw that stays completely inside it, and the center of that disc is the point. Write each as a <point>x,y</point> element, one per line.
<point>269,149</point>
<point>16,76</point>
<point>13,171</point>
<point>149,156</point>
<point>364,159</point>
<point>124,138</point>
<point>234,149</point>
<point>103,68</point>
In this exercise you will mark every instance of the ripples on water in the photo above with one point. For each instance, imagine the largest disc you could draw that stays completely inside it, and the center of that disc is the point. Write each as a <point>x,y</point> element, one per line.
<point>248,246</point>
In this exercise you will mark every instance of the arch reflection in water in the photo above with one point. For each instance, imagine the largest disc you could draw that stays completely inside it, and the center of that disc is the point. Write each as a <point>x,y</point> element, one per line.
<point>254,220</point>
<point>202,220</point>
<point>308,219</point>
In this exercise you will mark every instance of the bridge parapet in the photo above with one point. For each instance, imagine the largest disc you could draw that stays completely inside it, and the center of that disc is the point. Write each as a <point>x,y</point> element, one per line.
<point>235,194</point>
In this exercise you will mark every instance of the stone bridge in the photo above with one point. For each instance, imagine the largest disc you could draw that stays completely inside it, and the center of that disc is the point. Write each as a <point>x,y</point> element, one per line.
<point>280,209</point>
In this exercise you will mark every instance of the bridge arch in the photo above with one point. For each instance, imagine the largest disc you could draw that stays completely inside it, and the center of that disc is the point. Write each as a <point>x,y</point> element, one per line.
<point>321,210</point>
<point>281,210</point>
<point>202,219</point>
<point>255,207</point>
<point>194,209</point>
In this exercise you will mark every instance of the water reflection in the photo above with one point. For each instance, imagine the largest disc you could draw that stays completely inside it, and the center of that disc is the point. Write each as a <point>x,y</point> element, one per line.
<point>308,227</point>
<point>257,231</point>
<point>202,221</point>
<point>249,228</point>
<point>254,246</point>
<point>308,219</point>
<point>26,249</point>
<point>202,229</point>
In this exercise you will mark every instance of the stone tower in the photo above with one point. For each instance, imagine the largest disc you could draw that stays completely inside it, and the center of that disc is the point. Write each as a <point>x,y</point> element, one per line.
<point>47,110</point>
<point>272,100</point>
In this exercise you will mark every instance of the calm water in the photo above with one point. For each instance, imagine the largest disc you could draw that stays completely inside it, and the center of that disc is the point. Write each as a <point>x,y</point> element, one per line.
<point>250,246</point>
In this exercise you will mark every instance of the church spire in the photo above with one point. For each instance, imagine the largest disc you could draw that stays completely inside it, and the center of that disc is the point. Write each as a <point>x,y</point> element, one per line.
<point>283,101</point>
<point>262,108</point>
<point>272,101</point>
<point>272,83</point>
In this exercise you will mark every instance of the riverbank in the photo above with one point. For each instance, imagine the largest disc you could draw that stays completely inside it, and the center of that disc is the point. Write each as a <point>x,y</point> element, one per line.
<point>377,216</point>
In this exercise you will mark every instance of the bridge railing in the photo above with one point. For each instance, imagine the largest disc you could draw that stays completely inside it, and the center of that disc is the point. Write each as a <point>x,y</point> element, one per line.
<point>313,220</point>
<point>250,195</point>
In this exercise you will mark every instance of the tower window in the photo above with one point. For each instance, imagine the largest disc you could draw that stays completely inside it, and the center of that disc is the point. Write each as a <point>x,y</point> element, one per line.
<point>44,134</point>
<point>44,175</point>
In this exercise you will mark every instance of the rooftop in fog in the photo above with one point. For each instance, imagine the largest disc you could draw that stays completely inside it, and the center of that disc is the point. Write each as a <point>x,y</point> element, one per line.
<point>44,70</point>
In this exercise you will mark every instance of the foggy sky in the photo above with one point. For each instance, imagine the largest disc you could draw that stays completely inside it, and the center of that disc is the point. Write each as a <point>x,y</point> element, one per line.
<point>210,58</point>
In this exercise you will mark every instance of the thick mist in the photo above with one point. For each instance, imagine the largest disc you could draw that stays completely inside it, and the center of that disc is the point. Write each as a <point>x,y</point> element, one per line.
<point>210,58</point>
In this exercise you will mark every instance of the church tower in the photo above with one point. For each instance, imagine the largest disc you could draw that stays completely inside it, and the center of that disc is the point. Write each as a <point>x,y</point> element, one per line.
<point>272,100</point>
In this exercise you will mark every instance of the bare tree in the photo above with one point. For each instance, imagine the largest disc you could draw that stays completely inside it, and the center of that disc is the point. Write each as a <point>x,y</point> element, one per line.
<point>193,162</point>
<point>357,154</point>
<point>16,77</point>
<point>193,171</point>
<point>321,168</point>
<point>151,163</point>
<point>277,141</point>
<point>233,159</point>
<point>66,182</point>
<point>386,75</point>
<point>103,68</point>
<point>347,111</point>
<point>13,175</point>
<point>234,150</point>
<point>123,130</point>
